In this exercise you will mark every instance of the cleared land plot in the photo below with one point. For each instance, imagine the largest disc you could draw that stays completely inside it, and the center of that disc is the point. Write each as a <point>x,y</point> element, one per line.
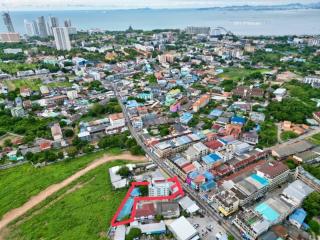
<point>33,84</point>
<point>20,183</point>
<point>82,211</point>
<point>233,73</point>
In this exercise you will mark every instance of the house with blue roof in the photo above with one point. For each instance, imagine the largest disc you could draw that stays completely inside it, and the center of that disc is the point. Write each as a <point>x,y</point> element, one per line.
<point>215,113</point>
<point>297,217</point>
<point>207,186</point>
<point>211,159</point>
<point>185,118</point>
<point>238,120</point>
<point>132,104</point>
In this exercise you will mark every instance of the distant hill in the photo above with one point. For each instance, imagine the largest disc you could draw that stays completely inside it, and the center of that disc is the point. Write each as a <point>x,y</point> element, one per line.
<point>293,6</point>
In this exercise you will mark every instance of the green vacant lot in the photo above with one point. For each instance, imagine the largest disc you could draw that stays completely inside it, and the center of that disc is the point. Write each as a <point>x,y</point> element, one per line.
<point>18,184</point>
<point>315,139</point>
<point>33,84</point>
<point>77,213</point>
<point>235,74</point>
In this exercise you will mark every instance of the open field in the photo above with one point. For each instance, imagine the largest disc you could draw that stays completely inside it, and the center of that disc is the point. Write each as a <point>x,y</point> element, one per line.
<point>315,139</point>
<point>233,73</point>
<point>20,183</point>
<point>82,211</point>
<point>33,84</point>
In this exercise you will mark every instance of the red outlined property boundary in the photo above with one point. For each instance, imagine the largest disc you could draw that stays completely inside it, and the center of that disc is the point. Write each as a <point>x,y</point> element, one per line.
<point>177,193</point>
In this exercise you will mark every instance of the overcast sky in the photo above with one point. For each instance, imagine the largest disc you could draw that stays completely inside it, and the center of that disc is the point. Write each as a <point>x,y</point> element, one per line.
<point>125,4</point>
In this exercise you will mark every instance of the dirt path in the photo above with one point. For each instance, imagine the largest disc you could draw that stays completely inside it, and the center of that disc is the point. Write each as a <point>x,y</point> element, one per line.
<point>33,201</point>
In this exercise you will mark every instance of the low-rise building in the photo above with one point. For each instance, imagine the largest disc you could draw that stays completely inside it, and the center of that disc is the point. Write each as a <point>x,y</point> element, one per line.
<point>182,229</point>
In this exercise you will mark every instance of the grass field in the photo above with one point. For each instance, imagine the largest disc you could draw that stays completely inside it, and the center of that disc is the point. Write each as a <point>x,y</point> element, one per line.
<point>315,139</point>
<point>33,84</point>
<point>77,213</point>
<point>19,183</point>
<point>233,73</point>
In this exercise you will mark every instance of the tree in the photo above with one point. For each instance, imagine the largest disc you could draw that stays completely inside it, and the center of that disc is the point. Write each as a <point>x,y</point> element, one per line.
<point>144,190</point>
<point>315,227</point>
<point>312,205</point>
<point>8,143</point>
<point>72,151</point>
<point>230,237</point>
<point>134,233</point>
<point>124,171</point>
<point>68,133</point>
<point>249,125</point>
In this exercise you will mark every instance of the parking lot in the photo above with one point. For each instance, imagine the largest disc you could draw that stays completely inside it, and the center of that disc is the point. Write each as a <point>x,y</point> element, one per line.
<point>206,226</point>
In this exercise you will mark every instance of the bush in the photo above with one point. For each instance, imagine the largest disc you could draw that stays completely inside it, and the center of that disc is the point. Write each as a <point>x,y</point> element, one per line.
<point>124,172</point>
<point>134,233</point>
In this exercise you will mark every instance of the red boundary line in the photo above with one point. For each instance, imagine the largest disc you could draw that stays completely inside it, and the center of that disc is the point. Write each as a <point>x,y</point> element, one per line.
<point>114,221</point>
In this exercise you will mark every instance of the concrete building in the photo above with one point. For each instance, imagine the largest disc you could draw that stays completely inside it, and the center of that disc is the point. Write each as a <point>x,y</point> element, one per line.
<point>313,80</point>
<point>53,22</point>
<point>197,30</point>
<point>29,29</point>
<point>182,229</point>
<point>17,112</point>
<point>56,132</point>
<point>307,178</point>
<point>72,94</point>
<point>226,202</point>
<point>42,26</point>
<point>168,209</point>
<point>61,38</point>
<point>7,21</point>
<point>159,188</point>
<point>9,37</point>
<point>280,93</point>
<point>283,151</point>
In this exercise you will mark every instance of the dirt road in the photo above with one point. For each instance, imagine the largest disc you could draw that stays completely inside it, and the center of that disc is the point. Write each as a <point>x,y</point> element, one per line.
<point>33,201</point>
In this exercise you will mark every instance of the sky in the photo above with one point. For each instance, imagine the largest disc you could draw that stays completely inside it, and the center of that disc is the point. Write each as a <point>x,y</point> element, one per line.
<point>129,4</point>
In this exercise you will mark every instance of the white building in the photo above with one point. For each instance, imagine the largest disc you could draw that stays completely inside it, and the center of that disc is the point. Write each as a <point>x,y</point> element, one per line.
<point>28,26</point>
<point>56,132</point>
<point>280,93</point>
<point>314,81</point>
<point>159,188</point>
<point>182,229</point>
<point>117,119</point>
<point>72,94</point>
<point>61,38</point>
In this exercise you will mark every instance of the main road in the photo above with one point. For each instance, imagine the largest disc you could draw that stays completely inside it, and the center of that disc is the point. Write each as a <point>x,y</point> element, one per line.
<point>160,162</point>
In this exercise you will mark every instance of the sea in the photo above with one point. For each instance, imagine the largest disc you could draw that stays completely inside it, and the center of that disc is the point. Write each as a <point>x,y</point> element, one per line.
<point>240,22</point>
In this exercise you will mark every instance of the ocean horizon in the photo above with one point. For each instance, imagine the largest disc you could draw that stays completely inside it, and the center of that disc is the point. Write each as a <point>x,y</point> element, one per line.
<point>240,22</point>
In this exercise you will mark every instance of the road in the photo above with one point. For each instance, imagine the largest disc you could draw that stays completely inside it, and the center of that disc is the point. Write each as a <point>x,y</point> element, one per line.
<point>160,162</point>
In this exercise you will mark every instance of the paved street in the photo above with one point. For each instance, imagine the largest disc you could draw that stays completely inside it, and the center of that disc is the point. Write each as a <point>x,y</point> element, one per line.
<point>207,227</point>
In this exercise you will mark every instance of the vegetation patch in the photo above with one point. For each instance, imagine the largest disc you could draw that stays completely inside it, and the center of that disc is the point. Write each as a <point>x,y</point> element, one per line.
<point>84,213</point>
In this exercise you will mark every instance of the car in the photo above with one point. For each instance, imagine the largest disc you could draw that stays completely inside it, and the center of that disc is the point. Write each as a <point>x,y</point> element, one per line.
<point>196,225</point>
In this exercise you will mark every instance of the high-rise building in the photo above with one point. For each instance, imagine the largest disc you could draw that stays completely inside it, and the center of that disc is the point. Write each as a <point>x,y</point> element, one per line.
<point>61,38</point>
<point>35,28</point>
<point>42,26</point>
<point>67,23</point>
<point>28,26</point>
<point>7,21</point>
<point>52,23</point>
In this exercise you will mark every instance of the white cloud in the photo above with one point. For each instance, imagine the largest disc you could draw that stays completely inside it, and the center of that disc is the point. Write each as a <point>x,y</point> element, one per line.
<point>123,4</point>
